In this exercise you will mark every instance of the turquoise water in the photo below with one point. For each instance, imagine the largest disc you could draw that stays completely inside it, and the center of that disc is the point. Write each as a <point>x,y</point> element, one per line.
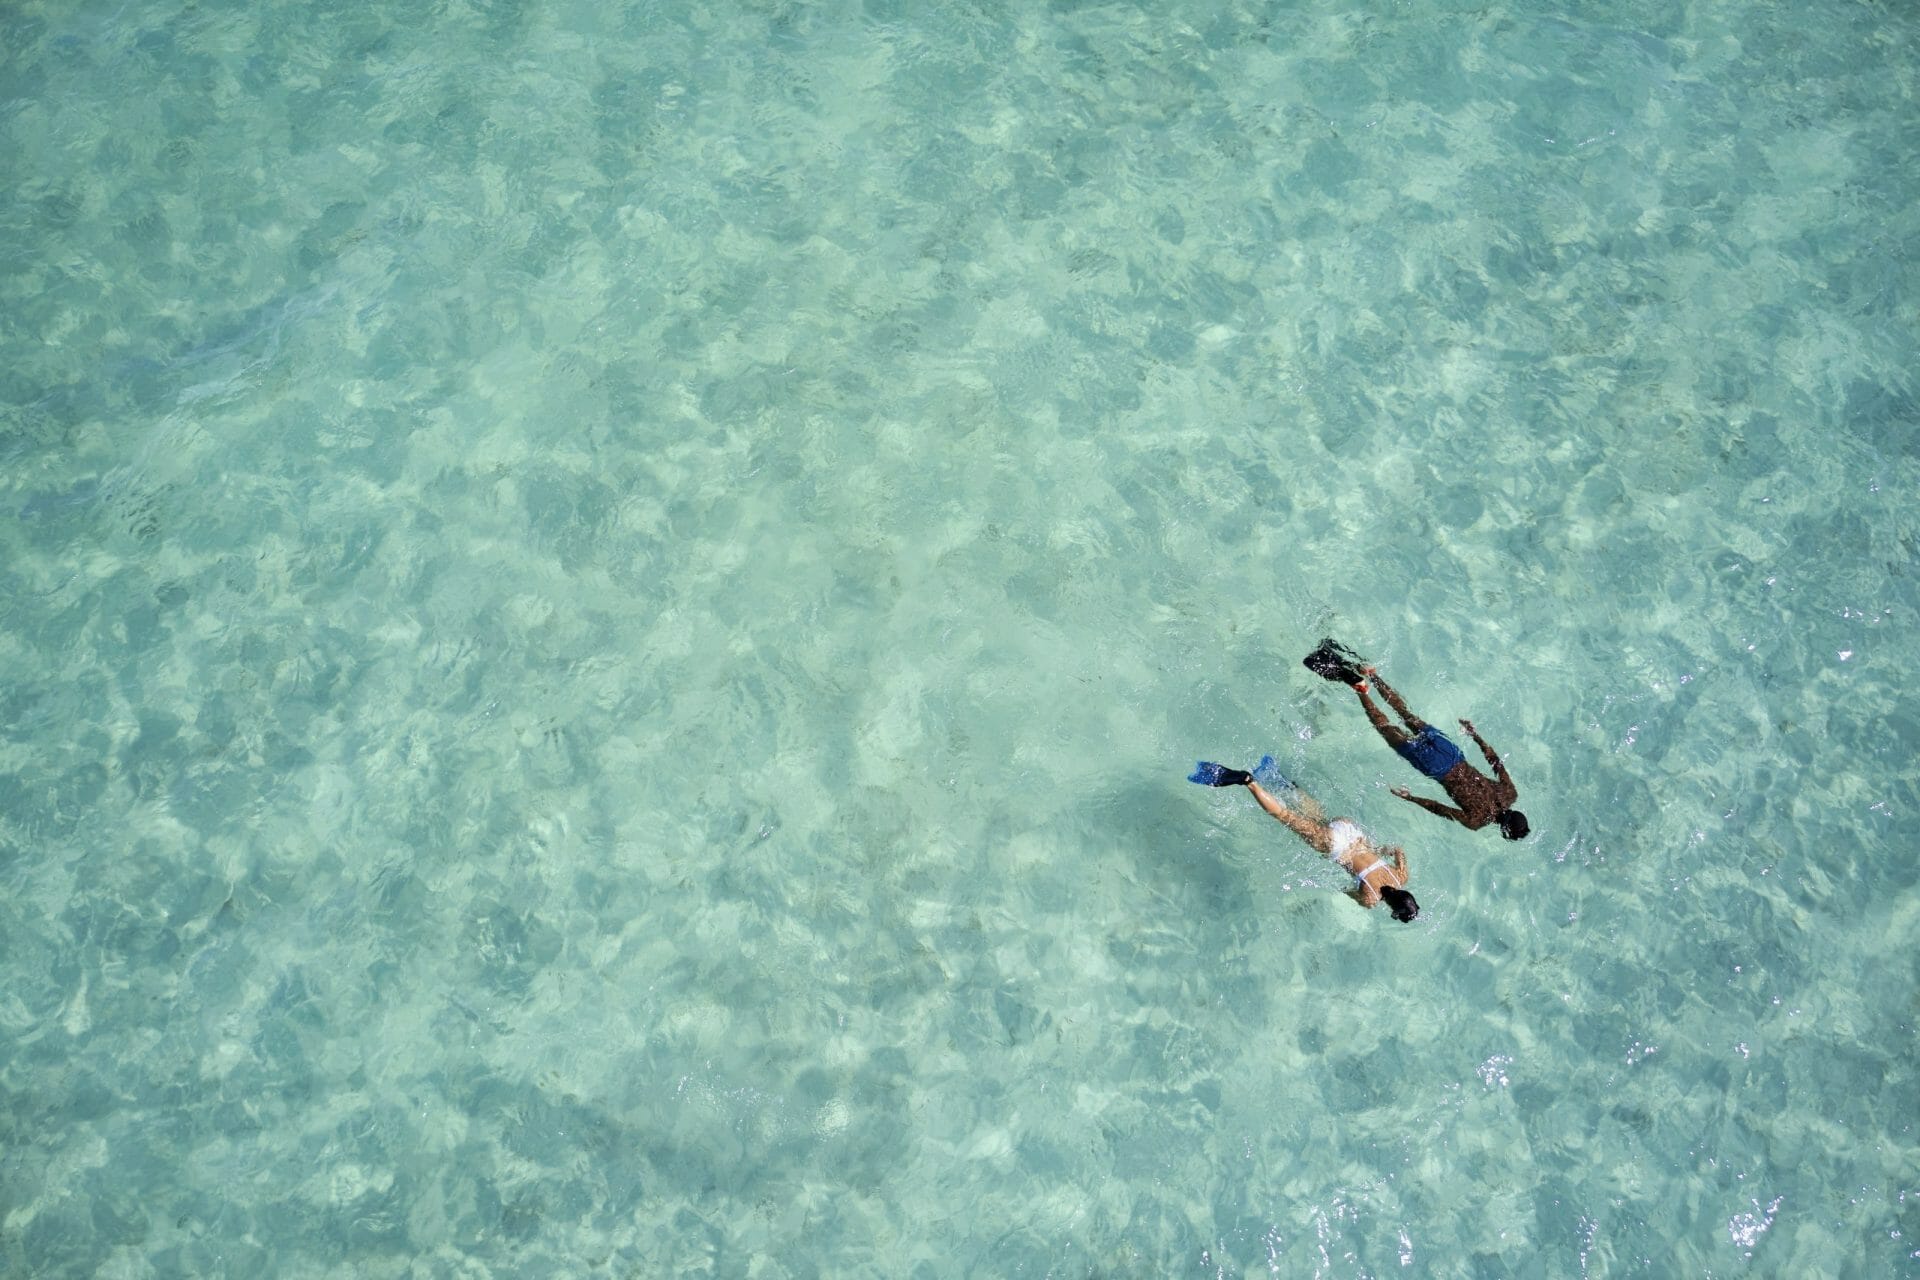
<point>605,607</point>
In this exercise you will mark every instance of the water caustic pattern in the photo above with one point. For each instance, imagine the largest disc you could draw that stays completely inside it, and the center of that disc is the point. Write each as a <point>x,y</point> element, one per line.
<point>604,608</point>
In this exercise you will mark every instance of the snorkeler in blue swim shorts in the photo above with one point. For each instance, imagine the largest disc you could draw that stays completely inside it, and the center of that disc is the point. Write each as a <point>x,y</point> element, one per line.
<point>1482,800</point>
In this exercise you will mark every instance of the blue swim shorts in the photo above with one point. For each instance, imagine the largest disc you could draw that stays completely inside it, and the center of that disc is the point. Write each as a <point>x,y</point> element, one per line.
<point>1431,752</point>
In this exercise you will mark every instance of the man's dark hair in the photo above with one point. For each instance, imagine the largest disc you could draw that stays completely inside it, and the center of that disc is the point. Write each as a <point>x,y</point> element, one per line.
<point>1401,903</point>
<point>1513,824</point>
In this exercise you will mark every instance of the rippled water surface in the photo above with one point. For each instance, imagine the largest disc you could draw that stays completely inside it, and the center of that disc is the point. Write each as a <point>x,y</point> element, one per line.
<point>604,609</point>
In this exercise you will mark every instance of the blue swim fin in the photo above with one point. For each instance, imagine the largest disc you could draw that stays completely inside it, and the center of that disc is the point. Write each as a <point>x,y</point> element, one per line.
<point>1209,774</point>
<point>1268,774</point>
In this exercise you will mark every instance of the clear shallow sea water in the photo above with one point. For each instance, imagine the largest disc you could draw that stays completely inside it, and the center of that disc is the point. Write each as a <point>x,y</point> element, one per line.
<point>604,609</point>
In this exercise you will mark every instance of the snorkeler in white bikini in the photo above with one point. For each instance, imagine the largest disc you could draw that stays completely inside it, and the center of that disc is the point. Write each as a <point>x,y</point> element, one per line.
<point>1379,875</point>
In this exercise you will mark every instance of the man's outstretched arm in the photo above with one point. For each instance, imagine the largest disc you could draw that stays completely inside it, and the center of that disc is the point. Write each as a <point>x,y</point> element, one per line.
<point>1433,806</point>
<point>1499,770</point>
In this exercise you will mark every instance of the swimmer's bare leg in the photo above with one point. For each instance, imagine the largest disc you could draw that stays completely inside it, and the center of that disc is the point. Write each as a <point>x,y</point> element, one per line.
<point>1392,732</point>
<point>1398,704</point>
<point>1314,833</point>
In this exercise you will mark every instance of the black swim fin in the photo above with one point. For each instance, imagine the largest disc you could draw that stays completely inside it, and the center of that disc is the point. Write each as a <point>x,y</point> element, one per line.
<point>1334,661</point>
